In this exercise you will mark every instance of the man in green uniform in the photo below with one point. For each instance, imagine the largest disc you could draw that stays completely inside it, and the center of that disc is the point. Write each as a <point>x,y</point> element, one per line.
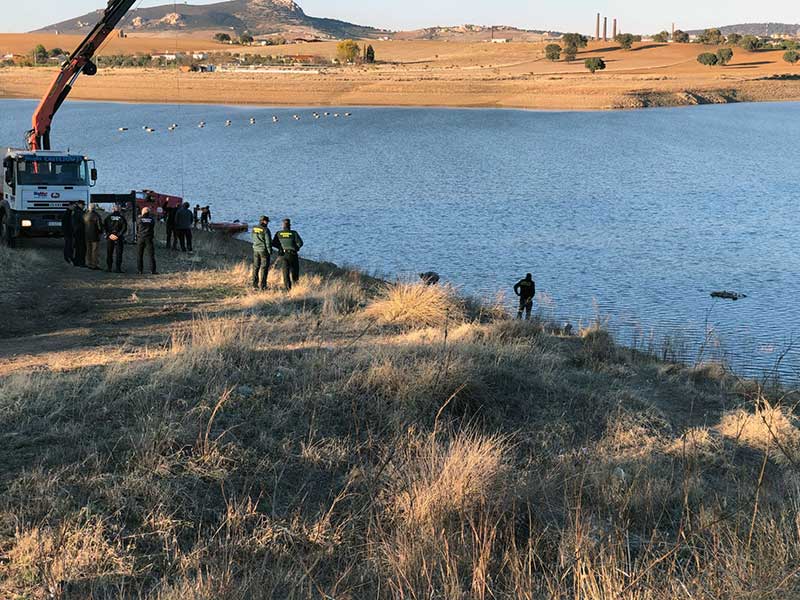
<point>526,290</point>
<point>288,242</point>
<point>262,248</point>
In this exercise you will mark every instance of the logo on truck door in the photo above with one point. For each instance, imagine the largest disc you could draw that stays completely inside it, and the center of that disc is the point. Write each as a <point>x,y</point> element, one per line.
<point>55,195</point>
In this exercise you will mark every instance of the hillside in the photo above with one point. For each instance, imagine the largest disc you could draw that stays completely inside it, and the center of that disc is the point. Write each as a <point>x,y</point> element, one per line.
<point>765,29</point>
<point>181,437</point>
<point>257,17</point>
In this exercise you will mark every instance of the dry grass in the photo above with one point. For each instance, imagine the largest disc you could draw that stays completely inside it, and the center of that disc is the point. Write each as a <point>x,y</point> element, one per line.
<point>334,443</point>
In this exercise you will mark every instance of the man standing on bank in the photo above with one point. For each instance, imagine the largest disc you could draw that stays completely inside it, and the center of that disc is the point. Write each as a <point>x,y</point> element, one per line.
<point>288,242</point>
<point>262,248</point>
<point>183,226</point>
<point>94,229</point>
<point>78,235</point>
<point>66,231</point>
<point>146,230</point>
<point>115,227</point>
<point>526,290</point>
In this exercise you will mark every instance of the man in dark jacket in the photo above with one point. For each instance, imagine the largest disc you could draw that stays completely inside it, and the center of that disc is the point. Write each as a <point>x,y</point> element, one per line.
<point>262,248</point>
<point>78,235</point>
<point>288,242</point>
<point>170,212</point>
<point>146,230</point>
<point>115,226</point>
<point>94,229</point>
<point>526,290</point>
<point>66,231</point>
<point>183,226</point>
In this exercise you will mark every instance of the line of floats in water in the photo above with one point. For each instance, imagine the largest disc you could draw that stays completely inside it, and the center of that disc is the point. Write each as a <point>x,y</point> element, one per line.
<point>229,122</point>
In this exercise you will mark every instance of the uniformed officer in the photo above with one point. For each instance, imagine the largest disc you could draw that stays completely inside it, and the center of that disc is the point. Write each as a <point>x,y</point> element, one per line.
<point>146,229</point>
<point>288,242</point>
<point>526,290</point>
<point>262,248</point>
<point>78,235</point>
<point>115,226</point>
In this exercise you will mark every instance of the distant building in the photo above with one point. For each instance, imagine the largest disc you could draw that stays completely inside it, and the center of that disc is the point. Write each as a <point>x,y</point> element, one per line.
<point>166,57</point>
<point>199,56</point>
<point>500,40</point>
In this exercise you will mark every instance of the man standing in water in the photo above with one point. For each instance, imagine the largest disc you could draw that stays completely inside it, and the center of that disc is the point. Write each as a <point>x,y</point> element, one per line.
<point>146,230</point>
<point>288,242</point>
<point>526,290</point>
<point>262,246</point>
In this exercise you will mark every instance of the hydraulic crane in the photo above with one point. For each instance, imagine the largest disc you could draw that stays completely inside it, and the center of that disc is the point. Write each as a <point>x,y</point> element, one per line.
<point>38,183</point>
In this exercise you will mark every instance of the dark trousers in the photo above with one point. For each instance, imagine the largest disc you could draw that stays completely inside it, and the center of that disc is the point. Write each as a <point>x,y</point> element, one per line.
<point>79,256</point>
<point>260,269</point>
<point>290,268</point>
<point>172,237</point>
<point>526,305</point>
<point>114,250</point>
<point>146,244</point>
<point>69,249</point>
<point>185,238</point>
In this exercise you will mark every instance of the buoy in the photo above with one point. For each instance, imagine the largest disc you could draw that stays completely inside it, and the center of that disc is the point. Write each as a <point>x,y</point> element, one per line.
<point>170,128</point>
<point>348,114</point>
<point>252,121</point>
<point>274,119</point>
<point>228,123</point>
<point>327,114</point>
<point>145,127</point>
<point>174,125</point>
<point>149,130</point>
<point>296,117</point>
<point>335,115</point>
<point>123,129</point>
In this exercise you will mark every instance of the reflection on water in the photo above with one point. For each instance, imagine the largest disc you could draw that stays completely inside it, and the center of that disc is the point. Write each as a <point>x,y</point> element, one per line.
<point>632,216</point>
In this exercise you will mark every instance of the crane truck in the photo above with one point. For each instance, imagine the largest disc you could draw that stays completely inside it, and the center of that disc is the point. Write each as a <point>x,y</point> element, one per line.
<point>38,182</point>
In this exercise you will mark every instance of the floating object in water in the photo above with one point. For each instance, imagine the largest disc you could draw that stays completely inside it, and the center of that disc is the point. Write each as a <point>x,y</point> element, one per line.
<point>348,114</point>
<point>174,125</point>
<point>274,118</point>
<point>229,228</point>
<point>122,129</point>
<point>170,128</point>
<point>335,115</point>
<point>228,123</point>
<point>252,121</point>
<point>315,115</point>
<point>145,127</point>
<point>296,117</point>
<point>327,114</point>
<point>149,129</point>
<point>728,295</point>
<point>201,125</point>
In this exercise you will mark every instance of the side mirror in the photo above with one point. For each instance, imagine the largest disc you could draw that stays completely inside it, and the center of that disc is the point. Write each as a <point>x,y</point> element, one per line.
<point>93,174</point>
<point>8,170</point>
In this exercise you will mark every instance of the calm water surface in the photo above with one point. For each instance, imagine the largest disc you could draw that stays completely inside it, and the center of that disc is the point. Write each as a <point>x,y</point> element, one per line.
<point>635,216</point>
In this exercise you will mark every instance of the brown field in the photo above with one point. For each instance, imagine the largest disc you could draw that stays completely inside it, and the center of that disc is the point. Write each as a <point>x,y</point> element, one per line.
<point>423,73</point>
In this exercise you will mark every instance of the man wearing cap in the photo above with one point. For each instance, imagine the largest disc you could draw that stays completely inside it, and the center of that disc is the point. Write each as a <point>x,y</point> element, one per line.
<point>526,290</point>
<point>146,230</point>
<point>288,242</point>
<point>262,247</point>
<point>115,227</point>
<point>94,228</point>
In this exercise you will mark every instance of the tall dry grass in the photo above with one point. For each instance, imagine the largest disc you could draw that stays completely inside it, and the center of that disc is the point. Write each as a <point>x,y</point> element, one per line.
<point>334,442</point>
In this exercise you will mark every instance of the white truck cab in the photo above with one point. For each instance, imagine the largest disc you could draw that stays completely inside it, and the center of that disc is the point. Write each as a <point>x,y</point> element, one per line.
<point>37,189</point>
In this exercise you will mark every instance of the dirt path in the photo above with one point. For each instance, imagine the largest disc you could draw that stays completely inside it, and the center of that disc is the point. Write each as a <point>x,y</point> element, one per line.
<point>55,313</point>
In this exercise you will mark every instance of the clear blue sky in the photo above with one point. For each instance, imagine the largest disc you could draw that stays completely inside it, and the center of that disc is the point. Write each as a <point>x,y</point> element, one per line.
<point>563,15</point>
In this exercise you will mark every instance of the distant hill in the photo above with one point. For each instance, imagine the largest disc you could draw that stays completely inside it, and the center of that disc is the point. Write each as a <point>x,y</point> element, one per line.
<point>474,33</point>
<point>765,29</point>
<point>257,17</point>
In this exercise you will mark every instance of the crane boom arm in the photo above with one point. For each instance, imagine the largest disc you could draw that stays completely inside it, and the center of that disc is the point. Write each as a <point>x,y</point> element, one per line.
<point>79,62</point>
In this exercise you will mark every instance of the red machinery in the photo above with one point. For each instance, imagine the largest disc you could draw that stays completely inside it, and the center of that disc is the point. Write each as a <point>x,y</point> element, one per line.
<point>156,202</point>
<point>79,62</point>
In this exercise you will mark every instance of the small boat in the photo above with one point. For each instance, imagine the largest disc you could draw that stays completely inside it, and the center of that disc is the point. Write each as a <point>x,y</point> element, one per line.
<point>229,228</point>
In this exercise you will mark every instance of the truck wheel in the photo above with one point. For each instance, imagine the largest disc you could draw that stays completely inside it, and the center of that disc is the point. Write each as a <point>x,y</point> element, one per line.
<point>6,234</point>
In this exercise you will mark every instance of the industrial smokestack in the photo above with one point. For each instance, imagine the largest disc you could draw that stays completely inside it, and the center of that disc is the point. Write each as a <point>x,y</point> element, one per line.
<point>673,32</point>
<point>614,30</point>
<point>605,29</point>
<point>597,29</point>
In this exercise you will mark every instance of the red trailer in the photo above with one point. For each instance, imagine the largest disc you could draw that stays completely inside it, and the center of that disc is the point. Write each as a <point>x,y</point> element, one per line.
<point>156,202</point>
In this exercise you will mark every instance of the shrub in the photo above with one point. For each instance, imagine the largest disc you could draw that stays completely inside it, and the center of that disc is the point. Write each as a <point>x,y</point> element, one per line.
<point>708,58</point>
<point>791,57</point>
<point>222,37</point>
<point>712,37</point>
<point>570,52</point>
<point>595,64</point>
<point>347,51</point>
<point>750,43</point>
<point>625,40</point>
<point>416,305</point>
<point>575,39</point>
<point>552,52</point>
<point>681,37</point>
<point>734,39</point>
<point>724,56</point>
<point>661,38</point>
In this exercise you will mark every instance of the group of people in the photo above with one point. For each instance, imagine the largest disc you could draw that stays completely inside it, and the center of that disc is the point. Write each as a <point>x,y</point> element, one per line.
<point>83,231</point>
<point>180,221</point>
<point>288,244</point>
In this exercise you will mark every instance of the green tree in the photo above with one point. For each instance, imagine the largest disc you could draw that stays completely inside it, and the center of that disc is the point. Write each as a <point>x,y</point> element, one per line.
<point>707,58</point>
<point>594,64</point>
<point>734,39</point>
<point>712,37</point>
<point>750,43</point>
<point>347,51</point>
<point>791,57</point>
<point>369,55</point>
<point>222,37</point>
<point>625,40</point>
<point>570,52</point>
<point>789,45</point>
<point>724,56</point>
<point>40,54</point>
<point>552,52</point>
<point>575,39</point>
<point>246,38</point>
<point>680,37</point>
<point>56,52</point>
<point>662,37</point>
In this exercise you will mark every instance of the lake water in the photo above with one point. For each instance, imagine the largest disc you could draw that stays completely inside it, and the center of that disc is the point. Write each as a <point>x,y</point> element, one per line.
<point>635,216</point>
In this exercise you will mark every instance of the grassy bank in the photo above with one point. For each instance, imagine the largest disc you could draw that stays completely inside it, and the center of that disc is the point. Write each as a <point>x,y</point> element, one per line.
<point>356,440</point>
